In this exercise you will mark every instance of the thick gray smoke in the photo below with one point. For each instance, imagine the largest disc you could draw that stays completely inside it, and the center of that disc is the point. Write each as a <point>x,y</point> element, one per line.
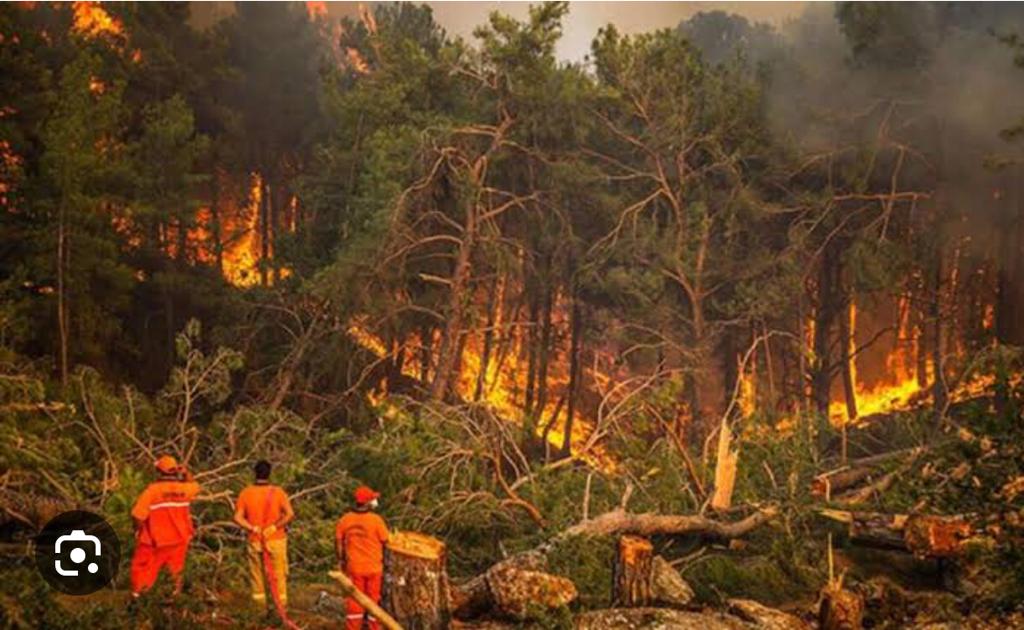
<point>934,77</point>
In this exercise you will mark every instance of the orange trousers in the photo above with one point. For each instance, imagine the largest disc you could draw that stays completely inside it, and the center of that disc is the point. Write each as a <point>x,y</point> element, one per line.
<point>354,613</point>
<point>148,560</point>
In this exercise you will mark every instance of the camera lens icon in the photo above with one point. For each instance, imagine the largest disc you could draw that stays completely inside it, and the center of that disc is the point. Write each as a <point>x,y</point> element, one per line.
<point>77,553</point>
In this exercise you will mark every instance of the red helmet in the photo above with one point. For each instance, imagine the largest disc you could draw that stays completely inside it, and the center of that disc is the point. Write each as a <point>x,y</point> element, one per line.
<point>167,465</point>
<point>364,495</point>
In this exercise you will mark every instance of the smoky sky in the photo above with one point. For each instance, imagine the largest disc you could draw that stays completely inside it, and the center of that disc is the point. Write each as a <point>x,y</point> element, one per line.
<point>585,18</point>
<point>579,27</point>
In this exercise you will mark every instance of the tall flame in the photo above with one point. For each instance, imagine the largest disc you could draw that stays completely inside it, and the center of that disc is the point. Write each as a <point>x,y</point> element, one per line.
<point>241,254</point>
<point>92,20</point>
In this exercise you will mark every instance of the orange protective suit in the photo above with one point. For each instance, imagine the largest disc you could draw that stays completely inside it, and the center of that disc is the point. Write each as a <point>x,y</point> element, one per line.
<point>165,530</point>
<point>362,535</point>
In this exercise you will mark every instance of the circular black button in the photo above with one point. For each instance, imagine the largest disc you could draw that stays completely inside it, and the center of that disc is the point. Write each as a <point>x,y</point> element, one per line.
<point>78,553</point>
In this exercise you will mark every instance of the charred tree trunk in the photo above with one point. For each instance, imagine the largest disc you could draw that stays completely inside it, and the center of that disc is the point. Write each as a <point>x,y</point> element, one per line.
<point>274,213</point>
<point>182,247</point>
<point>485,356</point>
<point>939,393</point>
<point>264,232</point>
<point>416,589</point>
<point>396,364</point>
<point>576,339</point>
<point>632,575</point>
<point>824,315</point>
<point>215,226</point>
<point>847,350</point>
<point>846,354</point>
<point>426,337</point>
<point>544,351</point>
<point>531,349</point>
<point>449,348</point>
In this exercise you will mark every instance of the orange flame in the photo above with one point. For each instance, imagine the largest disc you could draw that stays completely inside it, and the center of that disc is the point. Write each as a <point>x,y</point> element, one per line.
<point>241,254</point>
<point>504,385</point>
<point>92,20</point>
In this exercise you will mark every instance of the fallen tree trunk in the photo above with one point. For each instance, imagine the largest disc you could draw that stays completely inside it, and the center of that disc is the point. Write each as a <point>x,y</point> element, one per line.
<point>473,597</point>
<point>350,590</point>
<point>924,535</point>
<point>649,524</point>
<point>829,483</point>
<point>416,583</point>
<point>876,487</point>
<point>632,575</point>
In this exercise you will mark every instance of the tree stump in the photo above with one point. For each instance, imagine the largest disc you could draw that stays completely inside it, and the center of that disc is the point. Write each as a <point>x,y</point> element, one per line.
<point>633,574</point>
<point>840,609</point>
<point>416,590</point>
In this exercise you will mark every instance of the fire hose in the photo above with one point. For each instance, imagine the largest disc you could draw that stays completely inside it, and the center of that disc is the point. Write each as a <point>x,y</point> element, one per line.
<point>268,570</point>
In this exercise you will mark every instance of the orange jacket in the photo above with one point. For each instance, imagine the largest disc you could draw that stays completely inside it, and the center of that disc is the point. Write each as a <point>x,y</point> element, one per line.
<point>163,510</point>
<point>263,505</point>
<point>362,535</point>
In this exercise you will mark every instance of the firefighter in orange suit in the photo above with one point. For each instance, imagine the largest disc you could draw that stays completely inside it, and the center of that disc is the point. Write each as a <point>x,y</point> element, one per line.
<point>263,510</point>
<point>163,526</point>
<point>359,539</point>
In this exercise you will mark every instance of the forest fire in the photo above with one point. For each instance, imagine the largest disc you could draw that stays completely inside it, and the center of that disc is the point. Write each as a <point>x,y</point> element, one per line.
<point>92,20</point>
<point>241,254</point>
<point>502,387</point>
<point>906,381</point>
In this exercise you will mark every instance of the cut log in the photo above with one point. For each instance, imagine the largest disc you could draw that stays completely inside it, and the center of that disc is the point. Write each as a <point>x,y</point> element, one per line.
<point>834,482</point>
<point>875,487</point>
<point>514,587</point>
<point>518,593</point>
<point>473,598</point>
<point>830,484</point>
<point>883,531</point>
<point>765,618</point>
<point>667,586</point>
<point>350,590</point>
<point>926,536</point>
<point>840,609</point>
<point>935,536</point>
<point>632,575</point>
<point>656,619</point>
<point>416,588</point>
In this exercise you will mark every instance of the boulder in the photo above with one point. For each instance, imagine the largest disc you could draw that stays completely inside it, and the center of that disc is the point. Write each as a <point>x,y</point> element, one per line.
<point>668,587</point>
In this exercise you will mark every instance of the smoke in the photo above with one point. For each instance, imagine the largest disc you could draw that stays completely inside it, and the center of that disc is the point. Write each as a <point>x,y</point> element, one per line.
<point>933,77</point>
<point>585,18</point>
